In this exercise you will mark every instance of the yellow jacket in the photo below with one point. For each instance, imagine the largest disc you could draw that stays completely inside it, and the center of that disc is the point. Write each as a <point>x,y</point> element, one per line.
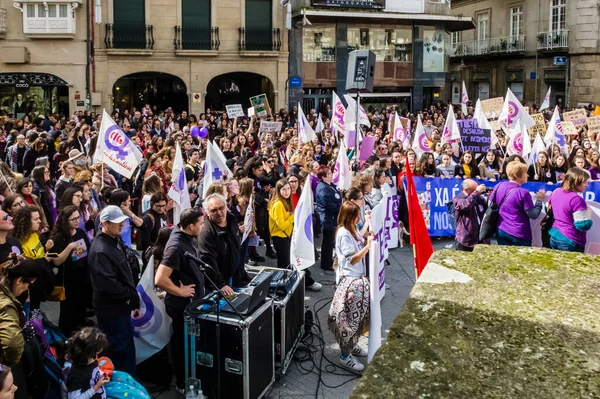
<point>281,222</point>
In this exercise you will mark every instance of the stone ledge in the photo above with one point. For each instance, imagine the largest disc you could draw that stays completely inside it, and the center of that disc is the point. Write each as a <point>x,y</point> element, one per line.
<point>135,52</point>
<point>197,53</point>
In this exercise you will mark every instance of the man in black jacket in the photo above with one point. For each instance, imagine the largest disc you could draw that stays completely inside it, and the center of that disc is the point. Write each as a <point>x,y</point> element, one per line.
<point>219,242</point>
<point>115,294</point>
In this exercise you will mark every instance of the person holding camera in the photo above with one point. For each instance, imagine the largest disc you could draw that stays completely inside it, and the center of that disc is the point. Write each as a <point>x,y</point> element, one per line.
<point>469,208</point>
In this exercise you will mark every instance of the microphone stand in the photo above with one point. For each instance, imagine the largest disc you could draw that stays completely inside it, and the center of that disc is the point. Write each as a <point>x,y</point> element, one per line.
<point>202,266</point>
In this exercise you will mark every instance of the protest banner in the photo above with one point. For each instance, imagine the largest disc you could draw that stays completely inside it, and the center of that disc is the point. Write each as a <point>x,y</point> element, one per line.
<point>435,193</point>
<point>234,110</point>
<point>568,128</point>
<point>492,107</point>
<point>366,148</point>
<point>270,127</point>
<point>261,106</point>
<point>593,123</point>
<point>539,127</point>
<point>578,117</point>
<point>474,138</point>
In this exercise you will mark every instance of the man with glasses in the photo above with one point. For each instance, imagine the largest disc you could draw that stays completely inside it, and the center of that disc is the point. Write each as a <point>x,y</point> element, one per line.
<point>219,242</point>
<point>114,291</point>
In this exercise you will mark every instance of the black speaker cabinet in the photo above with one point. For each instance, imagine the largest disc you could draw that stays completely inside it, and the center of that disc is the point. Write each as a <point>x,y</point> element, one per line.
<point>361,71</point>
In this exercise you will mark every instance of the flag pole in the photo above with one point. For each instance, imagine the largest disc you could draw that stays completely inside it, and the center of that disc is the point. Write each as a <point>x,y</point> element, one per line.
<point>6,181</point>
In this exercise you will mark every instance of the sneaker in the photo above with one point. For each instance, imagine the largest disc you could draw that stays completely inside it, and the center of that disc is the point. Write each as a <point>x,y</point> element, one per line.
<point>256,259</point>
<point>351,364</point>
<point>315,286</point>
<point>359,352</point>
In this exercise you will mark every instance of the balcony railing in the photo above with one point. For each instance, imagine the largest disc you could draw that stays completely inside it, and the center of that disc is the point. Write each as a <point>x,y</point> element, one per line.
<point>251,39</point>
<point>553,40</point>
<point>2,21</point>
<point>496,45</point>
<point>129,36</point>
<point>196,38</point>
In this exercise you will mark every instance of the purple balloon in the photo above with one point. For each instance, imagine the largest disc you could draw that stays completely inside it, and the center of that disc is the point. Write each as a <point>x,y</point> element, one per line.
<point>203,133</point>
<point>195,131</point>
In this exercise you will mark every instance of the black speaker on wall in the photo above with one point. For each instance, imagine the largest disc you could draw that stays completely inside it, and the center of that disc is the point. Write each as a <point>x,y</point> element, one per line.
<point>361,71</point>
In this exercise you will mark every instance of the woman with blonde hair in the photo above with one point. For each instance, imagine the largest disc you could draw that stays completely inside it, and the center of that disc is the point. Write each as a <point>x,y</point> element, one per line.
<point>349,312</point>
<point>571,217</point>
<point>517,207</point>
<point>102,177</point>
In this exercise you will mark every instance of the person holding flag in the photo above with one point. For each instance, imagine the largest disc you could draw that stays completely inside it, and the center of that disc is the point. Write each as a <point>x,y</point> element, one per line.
<point>179,188</point>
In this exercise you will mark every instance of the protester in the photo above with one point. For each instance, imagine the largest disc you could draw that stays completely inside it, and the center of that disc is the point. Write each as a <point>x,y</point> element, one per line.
<point>469,208</point>
<point>281,222</point>
<point>571,216</point>
<point>328,203</point>
<point>8,386</point>
<point>42,188</point>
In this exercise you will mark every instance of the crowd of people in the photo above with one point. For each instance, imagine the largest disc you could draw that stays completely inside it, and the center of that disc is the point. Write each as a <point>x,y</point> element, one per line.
<point>73,231</point>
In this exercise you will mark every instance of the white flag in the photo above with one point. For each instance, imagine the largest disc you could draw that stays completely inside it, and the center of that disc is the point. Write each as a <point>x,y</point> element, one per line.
<point>362,114</point>
<point>513,112</point>
<point>464,100</point>
<point>420,142</point>
<point>248,219</point>
<point>338,118</point>
<point>342,176</point>
<point>538,145</point>
<point>546,103</point>
<point>519,143</point>
<point>150,323</point>
<point>214,169</point>
<point>305,132</point>
<point>482,121</point>
<point>179,188</point>
<point>115,149</point>
<point>451,133</point>
<point>320,125</point>
<point>221,156</point>
<point>400,134</point>
<point>302,254</point>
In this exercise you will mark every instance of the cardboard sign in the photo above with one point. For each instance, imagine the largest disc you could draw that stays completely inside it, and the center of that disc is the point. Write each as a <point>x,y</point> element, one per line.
<point>474,138</point>
<point>578,117</point>
<point>539,127</point>
<point>496,126</point>
<point>270,127</point>
<point>234,110</point>
<point>261,106</point>
<point>250,112</point>
<point>568,128</point>
<point>593,123</point>
<point>492,107</point>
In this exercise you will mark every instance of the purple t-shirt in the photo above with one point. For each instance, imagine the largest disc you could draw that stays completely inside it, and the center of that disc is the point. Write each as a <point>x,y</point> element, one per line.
<point>512,217</point>
<point>564,205</point>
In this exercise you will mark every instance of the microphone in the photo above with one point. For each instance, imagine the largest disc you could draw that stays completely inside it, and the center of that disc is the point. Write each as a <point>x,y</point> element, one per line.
<point>193,257</point>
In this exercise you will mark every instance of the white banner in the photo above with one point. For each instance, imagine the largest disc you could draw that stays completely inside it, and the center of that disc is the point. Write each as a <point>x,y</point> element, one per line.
<point>375,302</point>
<point>302,254</point>
<point>215,169</point>
<point>270,127</point>
<point>234,110</point>
<point>179,189</point>
<point>115,149</point>
<point>248,219</point>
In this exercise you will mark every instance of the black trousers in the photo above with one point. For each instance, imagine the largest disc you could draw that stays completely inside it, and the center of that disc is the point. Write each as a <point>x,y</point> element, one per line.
<point>327,249</point>
<point>72,309</point>
<point>177,345</point>
<point>282,247</point>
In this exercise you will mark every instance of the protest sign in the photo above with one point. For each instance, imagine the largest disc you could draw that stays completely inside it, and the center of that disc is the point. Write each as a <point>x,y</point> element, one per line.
<point>270,127</point>
<point>474,138</point>
<point>250,112</point>
<point>593,123</point>
<point>366,148</point>
<point>492,107</point>
<point>261,106</point>
<point>539,127</point>
<point>568,128</point>
<point>578,117</point>
<point>234,110</point>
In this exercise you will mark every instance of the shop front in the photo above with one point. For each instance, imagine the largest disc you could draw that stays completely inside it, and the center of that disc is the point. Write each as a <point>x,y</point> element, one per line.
<point>556,78</point>
<point>481,84</point>
<point>514,81</point>
<point>33,94</point>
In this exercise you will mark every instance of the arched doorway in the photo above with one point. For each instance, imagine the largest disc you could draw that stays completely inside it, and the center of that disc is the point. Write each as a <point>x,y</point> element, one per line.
<point>160,90</point>
<point>237,88</point>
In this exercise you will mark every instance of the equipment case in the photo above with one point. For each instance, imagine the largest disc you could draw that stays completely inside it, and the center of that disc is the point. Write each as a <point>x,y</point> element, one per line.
<point>247,353</point>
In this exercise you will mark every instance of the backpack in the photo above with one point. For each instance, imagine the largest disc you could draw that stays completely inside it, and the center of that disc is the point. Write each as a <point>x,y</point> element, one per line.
<point>451,214</point>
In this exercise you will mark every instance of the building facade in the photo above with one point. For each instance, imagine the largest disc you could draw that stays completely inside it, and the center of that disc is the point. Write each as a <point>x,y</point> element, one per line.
<point>528,46</point>
<point>63,56</point>
<point>409,38</point>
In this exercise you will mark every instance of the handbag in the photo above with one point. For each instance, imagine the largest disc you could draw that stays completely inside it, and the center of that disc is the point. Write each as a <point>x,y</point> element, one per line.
<point>59,293</point>
<point>489,223</point>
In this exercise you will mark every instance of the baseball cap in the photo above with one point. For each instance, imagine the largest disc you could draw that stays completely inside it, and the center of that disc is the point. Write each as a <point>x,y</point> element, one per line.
<point>113,214</point>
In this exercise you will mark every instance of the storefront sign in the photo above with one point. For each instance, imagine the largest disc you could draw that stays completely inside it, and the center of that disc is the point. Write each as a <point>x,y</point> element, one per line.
<point>555,75</point>
<point>492,107</point>
<point>578,117</point>
<point>350,3</point>
<point>481,77</point>
<point>514,76</point>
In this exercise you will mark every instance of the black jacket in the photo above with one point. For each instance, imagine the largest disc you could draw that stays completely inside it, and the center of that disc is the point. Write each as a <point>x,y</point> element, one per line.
<point>220,249</point>
<point>329,202</point>
<point>112,281</point>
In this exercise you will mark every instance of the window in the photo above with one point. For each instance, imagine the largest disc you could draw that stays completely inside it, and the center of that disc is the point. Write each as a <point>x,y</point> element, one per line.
<point>318,43</point>
<point>50,17</point>
<point>195,25</point>
<point>516,21</point>
<point>62,11</point>
<point>388,44</point>
<point>41,11</point>
<point>455,38</point>
<point>558,10</point>
<point>129,28</point>
<point>30,10</point>
<point>259,25</point>
<point>483,26</point>
<point>52,10</point>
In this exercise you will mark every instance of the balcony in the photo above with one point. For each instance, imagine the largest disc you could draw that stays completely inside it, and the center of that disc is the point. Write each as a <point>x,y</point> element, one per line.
<point>259,40</point>
<point>133,38</point>
<point>496,45</point>
<point>196,39</point>
<point>553,40</point>
<point>2,22</point>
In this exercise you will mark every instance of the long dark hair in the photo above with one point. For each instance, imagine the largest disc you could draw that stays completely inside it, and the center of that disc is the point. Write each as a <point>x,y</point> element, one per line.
<point>67,198</point>
<point>61,227</point>
<point>85,344</point>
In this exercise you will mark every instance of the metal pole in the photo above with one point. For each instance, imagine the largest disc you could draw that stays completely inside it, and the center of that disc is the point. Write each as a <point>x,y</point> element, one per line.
<point>357,123</point>
<point>536,56</point>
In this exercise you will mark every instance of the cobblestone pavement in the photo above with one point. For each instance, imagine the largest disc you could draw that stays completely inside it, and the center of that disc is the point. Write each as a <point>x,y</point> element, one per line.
<point>302,377</point>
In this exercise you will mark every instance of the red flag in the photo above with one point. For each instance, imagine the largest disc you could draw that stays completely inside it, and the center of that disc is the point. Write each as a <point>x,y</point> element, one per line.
<point>419,236</point>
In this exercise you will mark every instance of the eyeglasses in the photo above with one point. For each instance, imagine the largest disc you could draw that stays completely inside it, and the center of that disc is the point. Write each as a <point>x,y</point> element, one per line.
<point>75,219</point>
